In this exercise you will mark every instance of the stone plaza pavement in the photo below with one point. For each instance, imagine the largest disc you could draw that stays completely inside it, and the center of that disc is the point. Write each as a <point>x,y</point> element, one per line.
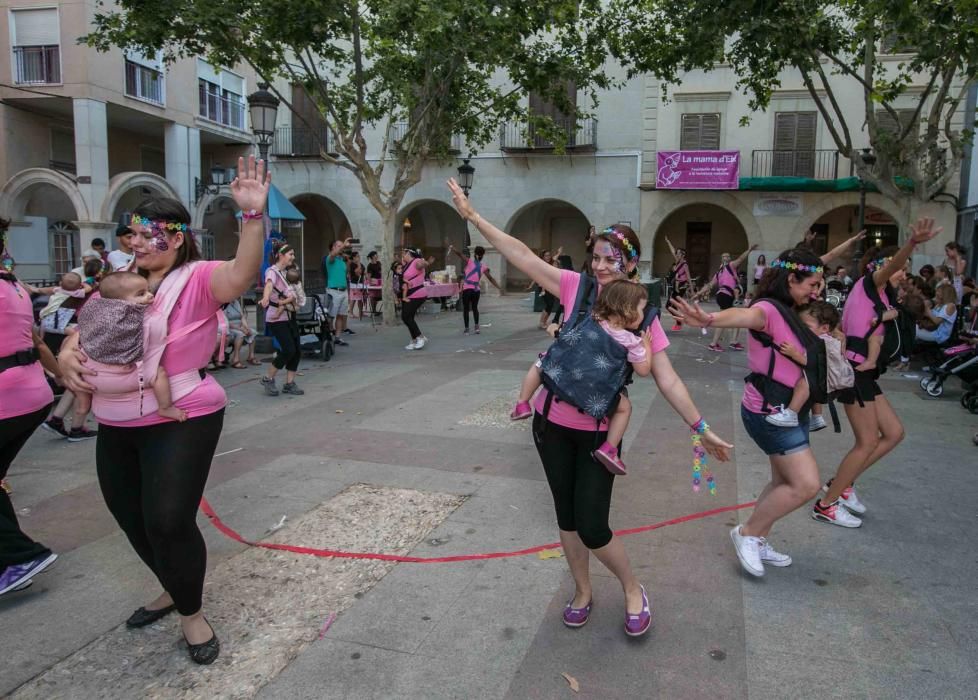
<point>412,453</point>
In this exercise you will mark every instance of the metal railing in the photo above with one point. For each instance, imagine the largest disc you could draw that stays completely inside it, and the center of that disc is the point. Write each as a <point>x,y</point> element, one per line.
<point>63,166</point>
<point>399,129</point>
<point>226,110</point>
<point>819,164</point>
<point>517,136</point>
<point>37,65</point>
<point>302,142</point>
<point>144,83</point>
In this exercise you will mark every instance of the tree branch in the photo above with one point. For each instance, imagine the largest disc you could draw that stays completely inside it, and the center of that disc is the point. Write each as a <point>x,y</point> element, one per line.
<point>847,146</point>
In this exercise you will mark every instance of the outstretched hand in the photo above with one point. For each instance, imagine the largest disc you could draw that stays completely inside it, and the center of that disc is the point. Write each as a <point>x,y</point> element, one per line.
<point>460,200</point>
<point>691,314</point>
<point>924,230</point>
<point>250,187</point>
<point>716,446</point>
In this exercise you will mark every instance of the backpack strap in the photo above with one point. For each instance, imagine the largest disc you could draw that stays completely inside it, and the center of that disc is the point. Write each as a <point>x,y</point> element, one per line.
<point>475,272</point>
<point>587,292</point>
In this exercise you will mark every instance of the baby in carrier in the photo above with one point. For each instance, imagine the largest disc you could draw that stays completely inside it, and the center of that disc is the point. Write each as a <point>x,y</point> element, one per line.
<point>619,311</point>
<point>293,277</point>
<point>823,320</point>
<point>111,331</point>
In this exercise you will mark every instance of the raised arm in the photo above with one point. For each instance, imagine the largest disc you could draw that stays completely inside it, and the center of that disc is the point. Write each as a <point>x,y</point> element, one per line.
<point>841,250</point>
<point>920,232</point>
<point>752,317</point>
<point>513,249</point>
<point>494,282</point>
<point>452,251</point>
<point>250,192</point>
<point>672,249</point>
<point>739,260</point>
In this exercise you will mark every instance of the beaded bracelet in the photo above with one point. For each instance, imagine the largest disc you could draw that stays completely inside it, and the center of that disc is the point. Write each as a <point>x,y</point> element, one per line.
<point>251,215</point>
<point>699,457</point>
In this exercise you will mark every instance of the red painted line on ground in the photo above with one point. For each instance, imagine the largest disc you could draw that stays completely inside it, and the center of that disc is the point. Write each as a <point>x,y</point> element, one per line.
<point>206,508</point>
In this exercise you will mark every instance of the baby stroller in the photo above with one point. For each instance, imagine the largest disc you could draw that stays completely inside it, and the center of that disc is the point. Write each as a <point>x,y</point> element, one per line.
<point>958,361</point>
<point>312,320</point>
<point>835,293</point>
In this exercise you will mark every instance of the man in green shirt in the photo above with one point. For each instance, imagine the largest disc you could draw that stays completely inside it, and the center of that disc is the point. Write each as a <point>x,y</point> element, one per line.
<point>335,272</point>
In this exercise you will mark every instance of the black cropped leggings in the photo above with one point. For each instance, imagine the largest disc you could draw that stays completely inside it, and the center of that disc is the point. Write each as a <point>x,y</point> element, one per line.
<point>152,479</point>
<point>470,300</point>
<point>409,309</point>
<point>15,546</point>
<point>581,487</point>
<point>288,340</point>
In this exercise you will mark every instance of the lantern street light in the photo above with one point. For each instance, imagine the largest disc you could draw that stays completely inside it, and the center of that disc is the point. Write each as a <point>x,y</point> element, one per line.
<point>869,160</point>
<point>263,107</point>
<point>466,174</point>
<point>218,175</point>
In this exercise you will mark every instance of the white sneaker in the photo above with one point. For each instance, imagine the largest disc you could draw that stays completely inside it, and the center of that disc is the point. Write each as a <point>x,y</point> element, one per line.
<point>817,423</point>
<point>420,342</point>
<point>783,417</point>
<point>748,551</point>
<point>769,555</point>
<point>413,345</point>
<point>834,513</point>
<point>849,499</point>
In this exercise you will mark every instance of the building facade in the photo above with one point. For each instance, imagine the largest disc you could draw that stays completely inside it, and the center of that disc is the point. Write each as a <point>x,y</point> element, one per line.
<point>86,135</point>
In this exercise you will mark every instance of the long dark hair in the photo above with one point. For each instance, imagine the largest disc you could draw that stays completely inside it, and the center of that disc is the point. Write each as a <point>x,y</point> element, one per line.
<point>168,209</point>
<point>774,283</point>
<point>761,260</point>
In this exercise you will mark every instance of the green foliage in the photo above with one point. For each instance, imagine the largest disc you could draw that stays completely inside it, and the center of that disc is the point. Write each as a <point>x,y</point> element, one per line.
<point>890,48</point>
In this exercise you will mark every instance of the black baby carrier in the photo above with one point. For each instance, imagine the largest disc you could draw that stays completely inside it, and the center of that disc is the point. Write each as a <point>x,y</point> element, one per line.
<point>898,333</point>
<point>585,366</point>
<point>774,392</point>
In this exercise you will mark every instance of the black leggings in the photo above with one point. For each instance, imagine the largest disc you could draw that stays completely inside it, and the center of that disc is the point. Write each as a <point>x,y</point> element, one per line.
<point>470,300</point>
<point>15,546</point>
<point>152,479</point>
<point>288,340</point>
<point>409,309</point>
<point>581,487</point>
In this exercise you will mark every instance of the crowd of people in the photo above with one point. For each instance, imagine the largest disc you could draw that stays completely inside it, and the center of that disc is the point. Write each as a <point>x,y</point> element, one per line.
<point>160,414</point>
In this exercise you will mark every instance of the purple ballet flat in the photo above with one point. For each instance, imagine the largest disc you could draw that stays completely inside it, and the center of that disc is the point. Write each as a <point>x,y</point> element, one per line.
<point>577,617</point>
<point>637,625</point>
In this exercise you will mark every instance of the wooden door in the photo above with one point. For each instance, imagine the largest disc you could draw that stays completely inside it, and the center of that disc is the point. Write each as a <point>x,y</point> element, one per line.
<point>698,240</point>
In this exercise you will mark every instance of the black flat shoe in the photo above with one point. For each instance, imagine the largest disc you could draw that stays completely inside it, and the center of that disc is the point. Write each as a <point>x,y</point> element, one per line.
<point>204,653</point>
<point>143,617</point>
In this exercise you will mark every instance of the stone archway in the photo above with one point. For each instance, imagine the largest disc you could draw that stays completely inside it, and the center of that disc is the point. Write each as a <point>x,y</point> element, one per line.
<point>325,222</point>
<point>22,187</point>
<point>221,224</point>
<point>822,212</point>
<point>428,224</point>
<point>548,224</point>
<point>834,225</point>
<point>127,190</point>
<point>705,231</point>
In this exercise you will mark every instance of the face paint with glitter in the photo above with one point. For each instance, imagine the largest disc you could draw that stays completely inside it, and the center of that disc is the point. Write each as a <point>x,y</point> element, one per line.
<point>159,240</point>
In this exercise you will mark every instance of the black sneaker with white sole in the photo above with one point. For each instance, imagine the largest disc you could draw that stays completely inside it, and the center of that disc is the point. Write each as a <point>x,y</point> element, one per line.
<point>81,434</point>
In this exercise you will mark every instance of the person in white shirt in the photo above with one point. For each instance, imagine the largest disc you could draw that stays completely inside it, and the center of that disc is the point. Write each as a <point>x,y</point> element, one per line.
<point>121,258</point>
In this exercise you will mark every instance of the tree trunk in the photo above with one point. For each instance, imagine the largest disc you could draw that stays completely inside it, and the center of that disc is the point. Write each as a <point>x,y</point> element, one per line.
<point>388,221</point>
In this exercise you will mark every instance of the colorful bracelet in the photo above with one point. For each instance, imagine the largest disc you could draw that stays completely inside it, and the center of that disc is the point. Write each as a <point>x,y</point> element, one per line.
<point>699,457</point>
<point>252,214</point>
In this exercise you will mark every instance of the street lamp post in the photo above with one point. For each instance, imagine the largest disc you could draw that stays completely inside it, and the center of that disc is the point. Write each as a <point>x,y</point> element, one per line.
<point>466,174</point>
<point>218,176</point>
<point>263,108</point>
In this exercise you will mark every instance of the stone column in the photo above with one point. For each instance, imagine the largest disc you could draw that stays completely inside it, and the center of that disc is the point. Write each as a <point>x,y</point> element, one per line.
<point>182,146</point>
<point>496,264</point>
<point>91,156</point>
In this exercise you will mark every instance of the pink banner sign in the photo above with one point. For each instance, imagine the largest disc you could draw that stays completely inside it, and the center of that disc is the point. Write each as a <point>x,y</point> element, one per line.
<point>698,170</point>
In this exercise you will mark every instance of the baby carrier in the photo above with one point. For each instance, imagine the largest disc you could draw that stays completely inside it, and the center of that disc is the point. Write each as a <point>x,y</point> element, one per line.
<point>473,276</point>
<point>896,342</point>
<point>121,393</point>
<point>585,366</point>
<point>773,392</point>
<point>725,288</point>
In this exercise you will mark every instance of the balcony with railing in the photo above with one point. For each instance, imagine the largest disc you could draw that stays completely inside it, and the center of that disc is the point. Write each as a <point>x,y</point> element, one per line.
<point>37,65</point>
<point>302,142</point>
<point>398,130</point>
<point>144,83</point>
<point>227,109</point>
<point>579,137</point>
<point>819,164</point>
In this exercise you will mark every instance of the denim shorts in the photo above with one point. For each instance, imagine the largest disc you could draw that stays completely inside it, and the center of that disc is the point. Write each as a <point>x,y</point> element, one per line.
<point>773,439</point>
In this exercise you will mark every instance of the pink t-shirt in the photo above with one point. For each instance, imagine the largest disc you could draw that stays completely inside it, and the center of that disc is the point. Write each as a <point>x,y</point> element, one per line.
<point>564,414</point>
<point>858,315</point>
<point>22,389</point>
<point>628,340</point>
<point>192,351</point>
<point>682,272</point>
<point>414,277</point>
<point>469,279</point>
<point>726,281</point>
<point>759,357</point>
<point>281,289</point>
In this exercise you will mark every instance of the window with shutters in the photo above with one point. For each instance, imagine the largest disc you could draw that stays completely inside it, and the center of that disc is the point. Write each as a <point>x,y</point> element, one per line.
<point>221,94</point>
<point>892,43</point>
<point>700,132</point>
<point>308,135</point>
<point>794,144</point>
<point>36,41</point>
<point>541,106</point>
<point>888,124</point>
<point>144,77</point>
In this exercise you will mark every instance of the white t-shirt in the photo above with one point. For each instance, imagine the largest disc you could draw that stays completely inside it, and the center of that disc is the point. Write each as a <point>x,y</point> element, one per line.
<point>119,260</point>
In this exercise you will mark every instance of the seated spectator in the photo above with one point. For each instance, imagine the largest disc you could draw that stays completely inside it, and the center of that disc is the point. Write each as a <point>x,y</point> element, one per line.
<point>239,333</point>
<point>926,272</point>
<point>942,314</point>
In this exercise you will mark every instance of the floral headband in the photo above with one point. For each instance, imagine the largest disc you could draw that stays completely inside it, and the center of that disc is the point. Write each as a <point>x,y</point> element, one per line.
<point>159,224</point>
<point>612,231</point>
<point>878,264</point>
<point>784,264</point>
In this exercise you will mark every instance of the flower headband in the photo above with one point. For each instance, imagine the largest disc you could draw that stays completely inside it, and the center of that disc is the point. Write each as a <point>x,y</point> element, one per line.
<point>632,253</point>
<point>797,266</point>
<point>875,265</point>
<point>158,224</point>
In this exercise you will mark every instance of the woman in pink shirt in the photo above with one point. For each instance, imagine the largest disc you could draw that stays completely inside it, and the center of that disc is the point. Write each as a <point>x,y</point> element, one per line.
<point>473,270</point>
<point>725,282</point>
<point>152,470</point>
<point>678,279</point>
<point>875,425</point>
<point>565,438</point>
<point>413,294</point>
<point>25,399</point>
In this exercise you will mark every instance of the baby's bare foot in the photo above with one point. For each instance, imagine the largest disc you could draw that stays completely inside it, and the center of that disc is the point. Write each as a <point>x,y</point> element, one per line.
<point>173,413</point>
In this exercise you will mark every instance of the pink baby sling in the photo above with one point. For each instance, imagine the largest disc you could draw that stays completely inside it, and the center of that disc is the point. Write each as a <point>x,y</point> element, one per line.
<point>124,392</point>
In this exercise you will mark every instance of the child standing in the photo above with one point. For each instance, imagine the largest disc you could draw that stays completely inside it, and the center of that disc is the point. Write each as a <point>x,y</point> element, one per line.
<point>619,310</point>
